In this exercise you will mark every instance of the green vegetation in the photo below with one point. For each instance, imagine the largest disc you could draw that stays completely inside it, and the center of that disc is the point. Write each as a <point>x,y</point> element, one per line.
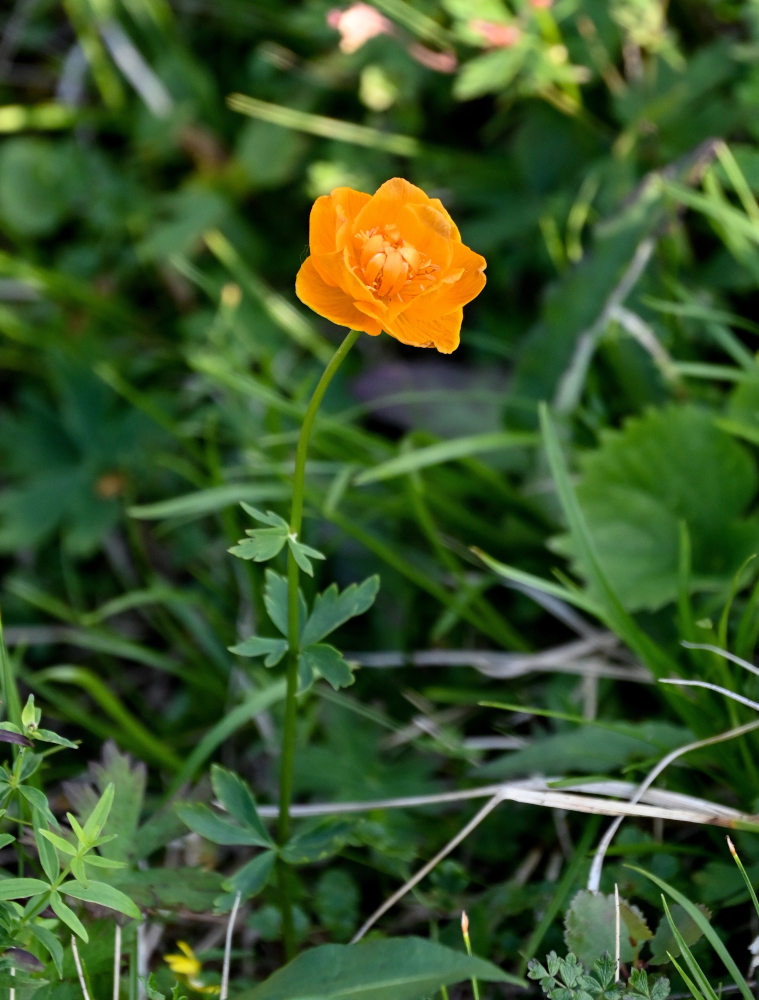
<point>491,647</point>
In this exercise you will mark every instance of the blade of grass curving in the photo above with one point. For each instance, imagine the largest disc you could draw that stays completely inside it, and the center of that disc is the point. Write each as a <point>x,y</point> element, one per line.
<point>138,736</point>
<point>744,875</point>
<point>9,689</point>
<point>574,597</point>
<point>614,613</point>
<point>328,128</point>
<point>692,988</point>
<point>277,307</point>
<point>697,972</point>
<point>503,633</point>
<point>236,718</point>
<point>445,451</point>
<point>704,926</point>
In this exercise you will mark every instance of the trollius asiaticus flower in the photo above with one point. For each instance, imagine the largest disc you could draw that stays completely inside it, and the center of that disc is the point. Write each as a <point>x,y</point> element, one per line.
<point>391,261</point>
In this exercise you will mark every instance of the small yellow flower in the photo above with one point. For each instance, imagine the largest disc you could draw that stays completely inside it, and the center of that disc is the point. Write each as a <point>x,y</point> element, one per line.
<point>188,967</point>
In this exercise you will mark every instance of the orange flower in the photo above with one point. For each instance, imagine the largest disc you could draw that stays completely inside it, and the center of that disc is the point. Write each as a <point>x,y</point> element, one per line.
<point>391,261</point>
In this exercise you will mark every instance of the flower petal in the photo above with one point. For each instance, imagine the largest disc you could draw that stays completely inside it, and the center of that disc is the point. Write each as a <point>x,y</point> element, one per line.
<point>449,294</point>
<point>442,332</point>
<point>387,202</point>
<point>332,216</point>
<point>334,269</point>
<point>330,301</point>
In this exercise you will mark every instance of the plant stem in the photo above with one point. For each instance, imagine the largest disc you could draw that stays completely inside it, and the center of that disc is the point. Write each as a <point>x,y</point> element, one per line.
<point>293,627</point>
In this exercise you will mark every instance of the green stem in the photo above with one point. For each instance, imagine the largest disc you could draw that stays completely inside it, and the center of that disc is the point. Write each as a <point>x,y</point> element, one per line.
<point>293,627</point>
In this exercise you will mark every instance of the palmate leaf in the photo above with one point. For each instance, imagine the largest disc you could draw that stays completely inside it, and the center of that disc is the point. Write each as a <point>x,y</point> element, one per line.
<point>326,661</point>
<point>637,489</point>
<point>257,645</point>
<point>261,545</point>
<point>217,829</point>
<point>253,876</point>
<point>333,608</point>
<point>237,798</point>
<point>391,969</point>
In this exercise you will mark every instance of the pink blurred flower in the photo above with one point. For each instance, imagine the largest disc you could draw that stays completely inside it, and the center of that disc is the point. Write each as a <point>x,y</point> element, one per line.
<point>540,4</point>
<point>497,35</point>
<point>357,24</point>
<point>441,62</point>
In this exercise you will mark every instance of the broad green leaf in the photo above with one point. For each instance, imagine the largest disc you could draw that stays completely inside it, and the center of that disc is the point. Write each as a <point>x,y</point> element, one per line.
<point>236,797</point>
<point>172,888</point>
<point>258,645</point>
<point>102,894</point>
<point>589,927</point>
<point>49,942</point>
<point>489,73</point>
<point>67,915</point>
<point>664,940</point>
<point>203,821</point>
<point>390,969</point>
<point>637,488</point>
<point>20,888</point>
<point>332,608</point>
<point>320,841</point>
<point>253,876</point>
<point>327,661</point>
<point>48,736</point>
<point>59,842</point>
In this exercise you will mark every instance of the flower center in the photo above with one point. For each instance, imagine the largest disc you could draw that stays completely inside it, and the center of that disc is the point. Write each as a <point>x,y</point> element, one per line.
<point>389,265</point>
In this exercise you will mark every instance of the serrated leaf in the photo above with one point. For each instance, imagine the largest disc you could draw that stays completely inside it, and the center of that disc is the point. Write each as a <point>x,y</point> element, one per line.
<point>261,545</point>
<point>258,645</point>
<point>589,927</point>
<point>67,915</point>
<point>329,663</point>
<point>390,969</point>
<point>237,798</point>
<point>664,940</point>
<point>303,554</point>
<point>102,894</point>
<point>203,821</point>
<point>636,490</point>
<point>333,608</point>
<point>253,876</point>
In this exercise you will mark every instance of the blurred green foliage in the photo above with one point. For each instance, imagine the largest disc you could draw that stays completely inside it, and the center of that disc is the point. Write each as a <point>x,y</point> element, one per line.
<point>157,166</point>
